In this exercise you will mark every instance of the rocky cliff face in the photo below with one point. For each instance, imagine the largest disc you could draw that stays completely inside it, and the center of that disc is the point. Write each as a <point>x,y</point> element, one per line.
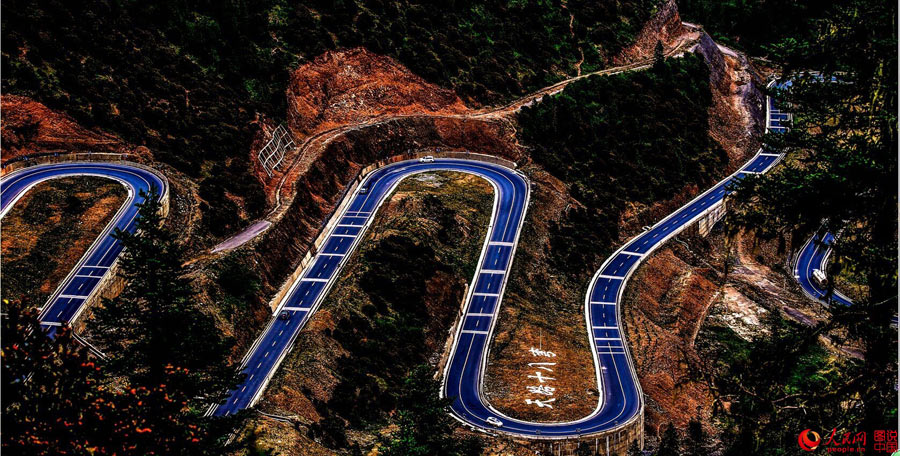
<point>664,26</point>
<point>353,93</point>
<point>738,101</point>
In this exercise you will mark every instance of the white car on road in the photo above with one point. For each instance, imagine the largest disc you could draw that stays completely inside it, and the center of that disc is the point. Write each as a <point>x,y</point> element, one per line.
<point>820,277</point>
<point>494,422</point>
<point>427,159</point>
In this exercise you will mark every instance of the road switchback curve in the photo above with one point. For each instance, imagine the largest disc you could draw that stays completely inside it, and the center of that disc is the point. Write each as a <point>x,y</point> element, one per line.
<point>85,279</point>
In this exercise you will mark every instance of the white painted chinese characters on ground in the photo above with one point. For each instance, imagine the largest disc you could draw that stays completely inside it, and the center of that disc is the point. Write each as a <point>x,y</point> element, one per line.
<point>541,388</point>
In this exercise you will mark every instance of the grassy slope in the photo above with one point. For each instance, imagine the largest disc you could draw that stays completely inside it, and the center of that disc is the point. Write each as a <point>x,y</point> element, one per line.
<point>49,229</point>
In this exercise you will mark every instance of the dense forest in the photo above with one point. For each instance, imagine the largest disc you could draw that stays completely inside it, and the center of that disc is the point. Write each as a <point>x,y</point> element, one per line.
<point>186,79</point>
<point>634,137</point>
<point>840,174</point>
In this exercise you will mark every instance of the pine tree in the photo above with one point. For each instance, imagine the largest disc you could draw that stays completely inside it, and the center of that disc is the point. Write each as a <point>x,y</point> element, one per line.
<point>659,57</point>
<point>164,351</point>
<point>584,449</point>
<point>841,168</point>
<point>425,427</point>
<point>150,397</point>
<point>696,438</point>
<point>670,445</point>
<point>156,324</point>
<point>635,449</point>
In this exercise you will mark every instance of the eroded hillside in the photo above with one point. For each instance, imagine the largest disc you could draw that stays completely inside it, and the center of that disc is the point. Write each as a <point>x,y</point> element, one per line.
<point>30,128</point>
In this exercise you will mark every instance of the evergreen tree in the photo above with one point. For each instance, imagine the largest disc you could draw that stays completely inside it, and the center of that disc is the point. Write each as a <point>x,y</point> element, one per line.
<point>670,445</point>
<point>584,449</point>
<point>841,168</point>
<point>156,324</point>
<point>786,381</point>
<point>635,449</point>
<point>425,427</point>
<point>659,57</point>
<point>696,438</point>
<point>166,365</point>
<point>164,351</point>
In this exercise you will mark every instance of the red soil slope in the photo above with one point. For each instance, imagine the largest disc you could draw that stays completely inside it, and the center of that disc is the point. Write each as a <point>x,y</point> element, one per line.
<point>29,127</point>
<point>354,85</point>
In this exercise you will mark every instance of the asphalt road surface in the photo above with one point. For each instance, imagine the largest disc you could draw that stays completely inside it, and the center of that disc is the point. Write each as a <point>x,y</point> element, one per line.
<point>68,300</point>
<point>307,293</point>
<point>814,255</point>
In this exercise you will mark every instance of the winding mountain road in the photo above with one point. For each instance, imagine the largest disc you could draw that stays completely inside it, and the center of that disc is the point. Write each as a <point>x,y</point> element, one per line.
<point>307,292</point>
<point>814,255</point>
<point>70,297</point>
<point>621,400</point>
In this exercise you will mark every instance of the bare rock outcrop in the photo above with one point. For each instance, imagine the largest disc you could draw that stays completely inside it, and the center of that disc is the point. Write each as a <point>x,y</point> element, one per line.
<point>738,100</point>
<point>664,26</point>
<point>353,85</point>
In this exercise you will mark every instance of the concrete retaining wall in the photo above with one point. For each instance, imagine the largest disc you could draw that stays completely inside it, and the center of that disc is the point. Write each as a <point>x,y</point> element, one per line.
<point>610,443</point>
<point>27,161</point>
<point>712,216</point>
